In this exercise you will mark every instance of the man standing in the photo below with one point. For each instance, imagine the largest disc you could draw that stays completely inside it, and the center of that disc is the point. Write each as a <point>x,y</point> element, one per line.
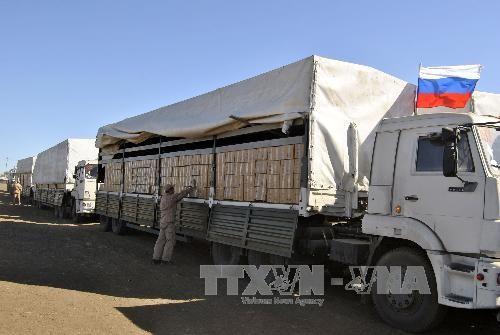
<point>165,243</point>
<point>16,192</point>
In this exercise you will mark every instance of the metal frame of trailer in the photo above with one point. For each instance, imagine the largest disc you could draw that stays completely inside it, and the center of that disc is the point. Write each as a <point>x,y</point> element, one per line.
<point>259,226</point>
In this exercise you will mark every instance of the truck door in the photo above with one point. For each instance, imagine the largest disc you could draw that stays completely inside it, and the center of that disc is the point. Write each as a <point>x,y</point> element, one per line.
<point>438,201</point>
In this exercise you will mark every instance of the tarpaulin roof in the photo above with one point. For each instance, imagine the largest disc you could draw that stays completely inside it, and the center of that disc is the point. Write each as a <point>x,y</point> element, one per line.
<point>56,165</point>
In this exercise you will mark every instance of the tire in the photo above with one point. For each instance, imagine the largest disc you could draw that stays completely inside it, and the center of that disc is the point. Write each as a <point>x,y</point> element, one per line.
<point>413,312</point>
<point>223,254</point>
<point>104,223</point>
<point>118,226</point>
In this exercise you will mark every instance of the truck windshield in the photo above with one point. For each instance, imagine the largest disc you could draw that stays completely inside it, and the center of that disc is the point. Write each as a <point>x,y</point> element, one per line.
<point>91,171</point>
<point>491,145</point>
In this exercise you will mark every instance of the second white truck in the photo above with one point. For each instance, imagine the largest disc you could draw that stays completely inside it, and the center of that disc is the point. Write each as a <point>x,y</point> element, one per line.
<point>65,178</point>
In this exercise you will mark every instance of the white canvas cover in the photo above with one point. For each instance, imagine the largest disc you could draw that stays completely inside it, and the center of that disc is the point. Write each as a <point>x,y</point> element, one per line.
<point>334,94</point>
<point>26,165</point>
<point>57,164</point>
<point>271,97</point>
<point>486,103</point>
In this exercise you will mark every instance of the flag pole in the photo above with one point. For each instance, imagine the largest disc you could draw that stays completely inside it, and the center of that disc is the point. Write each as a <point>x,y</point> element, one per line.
<point>416,91</point>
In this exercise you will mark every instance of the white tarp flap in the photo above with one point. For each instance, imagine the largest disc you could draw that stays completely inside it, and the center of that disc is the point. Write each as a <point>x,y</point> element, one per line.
<point>26,165</point>
<point>57,164</point>
<point>347,93</point>
<point>486,103</point>
<point>275,96</point>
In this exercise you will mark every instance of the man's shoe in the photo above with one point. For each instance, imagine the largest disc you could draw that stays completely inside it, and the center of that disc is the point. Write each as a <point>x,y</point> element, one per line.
<point>156,261</point>
<point>166,262</point>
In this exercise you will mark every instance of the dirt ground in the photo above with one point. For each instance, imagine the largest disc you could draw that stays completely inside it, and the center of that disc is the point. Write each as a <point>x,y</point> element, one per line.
<point>61,278</point>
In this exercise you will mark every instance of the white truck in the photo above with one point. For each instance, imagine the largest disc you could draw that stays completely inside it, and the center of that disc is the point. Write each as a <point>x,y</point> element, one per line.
<point>24,174</point>
<point>65,178</point>
<point>325,159</point>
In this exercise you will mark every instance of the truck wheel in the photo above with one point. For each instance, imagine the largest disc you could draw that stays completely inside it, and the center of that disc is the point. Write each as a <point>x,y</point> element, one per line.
<point>75,215</point>
<point>223,254</point>
<point>261,258</point>
<point>118,226</point>
<point>415,312</point>
<point>104,223</point>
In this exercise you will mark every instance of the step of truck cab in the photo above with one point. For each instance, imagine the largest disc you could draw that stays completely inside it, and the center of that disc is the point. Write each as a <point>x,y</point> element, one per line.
<point>459,299</point>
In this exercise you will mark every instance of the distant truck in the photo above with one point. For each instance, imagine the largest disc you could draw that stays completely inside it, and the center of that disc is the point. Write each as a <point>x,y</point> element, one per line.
<point>24,174</point>
<point>324,159</point>
<point>65,180</point>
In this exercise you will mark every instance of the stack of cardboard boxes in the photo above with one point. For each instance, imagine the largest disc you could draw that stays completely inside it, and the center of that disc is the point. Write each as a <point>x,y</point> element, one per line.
<point>269,174</point>
<point>112,177</point>
<point>140,176</point>
<point>181,171</point>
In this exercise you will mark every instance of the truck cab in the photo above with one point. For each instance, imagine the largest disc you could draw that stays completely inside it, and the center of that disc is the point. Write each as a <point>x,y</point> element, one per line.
<point>435,190</point>
<point>84,189</point>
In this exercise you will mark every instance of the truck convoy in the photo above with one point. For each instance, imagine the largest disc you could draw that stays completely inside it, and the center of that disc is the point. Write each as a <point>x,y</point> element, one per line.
<point>24,174</point>
<point>326,159</point>
<point>65,178</point>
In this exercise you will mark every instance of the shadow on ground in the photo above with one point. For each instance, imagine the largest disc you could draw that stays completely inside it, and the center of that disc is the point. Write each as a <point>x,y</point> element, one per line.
<point>37,249</point>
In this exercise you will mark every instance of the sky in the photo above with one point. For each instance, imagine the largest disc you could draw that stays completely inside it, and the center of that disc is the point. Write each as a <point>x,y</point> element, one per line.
<point>69,67</point>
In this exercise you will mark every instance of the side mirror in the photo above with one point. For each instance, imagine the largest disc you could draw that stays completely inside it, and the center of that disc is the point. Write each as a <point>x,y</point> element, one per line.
<point>450,139</point>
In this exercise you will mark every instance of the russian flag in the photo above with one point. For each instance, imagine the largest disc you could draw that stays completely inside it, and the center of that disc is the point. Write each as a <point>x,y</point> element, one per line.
<point>448,86</point>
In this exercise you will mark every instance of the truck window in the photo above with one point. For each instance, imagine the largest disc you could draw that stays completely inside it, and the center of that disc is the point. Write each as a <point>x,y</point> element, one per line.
<point>430,155</point>
<point>91,171</point>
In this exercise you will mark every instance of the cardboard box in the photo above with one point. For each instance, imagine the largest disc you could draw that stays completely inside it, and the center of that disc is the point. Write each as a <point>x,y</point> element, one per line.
<point>244,169</point>
<point>297,164</point>
<point>230,168</point>
<point>249,181</point>
<point>232,181</point>
<point>296,180</point>
<point>260,166</point>
<point>219,193</point>
<point>249,193</point>
<point>287,166</point>
<point>260,193</point>
<point>220,159</point>
<point>195,159</point>
<point>273,167</point>
<point>289,196</point>
<point>233,193</point>
<point>273,181</point>
<point>273,153</point>
<point>241,156</point>
<point>298,151</point>
<point>286,181</point>
<point>286,152</point>
<point>273,195</point>
<point>261,154</point>
<point>229,156</point>
<point>261,180</point>
<point>206,159</point>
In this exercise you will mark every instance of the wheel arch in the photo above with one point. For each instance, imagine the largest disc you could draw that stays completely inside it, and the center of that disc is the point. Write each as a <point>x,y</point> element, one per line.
<point>384,244</point>
<point>402,229</point>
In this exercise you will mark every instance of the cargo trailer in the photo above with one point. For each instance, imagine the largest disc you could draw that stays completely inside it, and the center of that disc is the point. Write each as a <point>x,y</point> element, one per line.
<point>65,178</point>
